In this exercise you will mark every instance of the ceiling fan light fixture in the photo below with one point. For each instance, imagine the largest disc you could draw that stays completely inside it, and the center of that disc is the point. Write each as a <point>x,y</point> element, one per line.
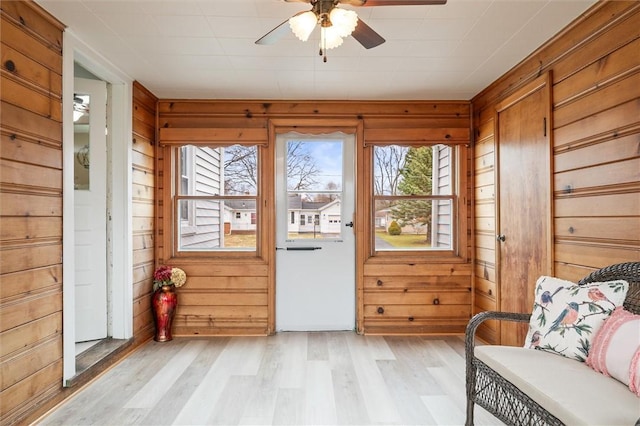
<point>303,24</point>
<point>329,38</point>
<point>344,21</point>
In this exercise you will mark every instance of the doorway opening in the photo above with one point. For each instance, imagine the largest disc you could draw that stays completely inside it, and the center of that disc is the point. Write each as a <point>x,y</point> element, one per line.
<point>97,254</point>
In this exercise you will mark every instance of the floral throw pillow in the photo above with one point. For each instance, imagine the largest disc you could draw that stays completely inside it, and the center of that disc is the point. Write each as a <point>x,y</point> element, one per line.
<point>566,316</point>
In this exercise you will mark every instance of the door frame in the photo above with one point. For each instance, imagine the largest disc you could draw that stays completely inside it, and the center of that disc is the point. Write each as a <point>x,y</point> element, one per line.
<point>119,220</point>
<point>288,288</point>
<point>542,82</point>
<point>314,126</point>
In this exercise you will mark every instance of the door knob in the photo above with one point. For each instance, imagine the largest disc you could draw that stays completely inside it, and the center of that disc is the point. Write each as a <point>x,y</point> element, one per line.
<point>350,224</point>
<point>501,237</point>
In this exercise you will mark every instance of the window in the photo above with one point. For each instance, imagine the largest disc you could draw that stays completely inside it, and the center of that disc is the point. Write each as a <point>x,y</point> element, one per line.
<point>414,198</point>
<point>216,198</point>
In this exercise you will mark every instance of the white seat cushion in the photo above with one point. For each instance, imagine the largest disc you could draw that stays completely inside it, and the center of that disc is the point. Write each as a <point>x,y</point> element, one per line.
<point>569,389</point>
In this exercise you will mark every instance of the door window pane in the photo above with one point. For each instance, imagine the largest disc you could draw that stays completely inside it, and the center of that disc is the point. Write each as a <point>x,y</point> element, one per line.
<point>314,188</point>
<point>81,141</point>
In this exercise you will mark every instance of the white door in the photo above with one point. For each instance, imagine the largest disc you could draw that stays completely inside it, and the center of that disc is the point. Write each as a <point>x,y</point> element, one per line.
<point>90,205</point>
<point>315,241</point>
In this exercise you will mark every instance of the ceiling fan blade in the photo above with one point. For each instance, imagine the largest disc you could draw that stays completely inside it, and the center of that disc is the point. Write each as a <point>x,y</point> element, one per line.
<point>366,36</point>
<point>371,3</point>
<point>275,34</point>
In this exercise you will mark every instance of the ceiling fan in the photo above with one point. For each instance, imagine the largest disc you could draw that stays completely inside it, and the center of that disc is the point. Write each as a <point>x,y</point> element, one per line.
<point>336,23</point>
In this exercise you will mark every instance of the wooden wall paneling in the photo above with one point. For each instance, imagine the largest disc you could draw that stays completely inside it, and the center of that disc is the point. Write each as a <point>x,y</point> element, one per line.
<point>30,281</point>
<point>17,369</point>
<point>30,210</point>
<point>193,121</point>
<point>364,180</point>
<point>16,402</point>
<point>597,46</point>
<point>28,42</point>
<point>207,135</point>
<point>607,69</point>
<point>30,70</point>
<point>28,150</point>
<point>40,25</point>
<point>30,334</point>
<point>626,173</point>
<point>308,109</point>
<point>597,205</point>
<point>621,119</point>
<point>601,150</point>
<point>607,96</point>
<point>18,122</point>
<point>143,210</point>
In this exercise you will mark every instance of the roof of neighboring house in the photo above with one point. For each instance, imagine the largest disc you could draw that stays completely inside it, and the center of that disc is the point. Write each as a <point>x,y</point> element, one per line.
<point>329,204</point>
<point>240,204</point>
<point>295,203</point>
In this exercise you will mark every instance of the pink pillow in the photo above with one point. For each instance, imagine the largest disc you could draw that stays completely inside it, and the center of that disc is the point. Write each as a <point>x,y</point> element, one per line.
<point>615,349</point>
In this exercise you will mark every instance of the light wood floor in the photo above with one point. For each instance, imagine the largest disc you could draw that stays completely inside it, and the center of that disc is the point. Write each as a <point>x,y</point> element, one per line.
<point>322,378</point>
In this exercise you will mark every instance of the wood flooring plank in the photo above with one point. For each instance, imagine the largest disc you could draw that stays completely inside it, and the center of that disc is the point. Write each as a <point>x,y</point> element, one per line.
<point>261,401</point>
<point>379,348</point>
<point>240,357</point>
<point>164,413</point>
<point>163,381</point>
<point>350,403</point>
<point>294,358</point>
<point>379,403</point>
<point>289,407</point>
<point>317,347</point>
<point>230,406</point>
<point>320,404</point>
<point>444,412</point>
<point>448,357</point>
<point>403,382</point>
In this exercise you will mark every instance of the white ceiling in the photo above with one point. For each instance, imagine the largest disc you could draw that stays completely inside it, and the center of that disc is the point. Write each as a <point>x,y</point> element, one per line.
<point>205,48</point>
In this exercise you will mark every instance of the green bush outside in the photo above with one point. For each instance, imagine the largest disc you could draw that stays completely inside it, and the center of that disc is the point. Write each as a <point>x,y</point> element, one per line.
<point>394,228</point>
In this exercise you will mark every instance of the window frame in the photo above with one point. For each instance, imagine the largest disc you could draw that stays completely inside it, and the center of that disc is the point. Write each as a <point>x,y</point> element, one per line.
<point>221,252</point>
<point>458,197</point>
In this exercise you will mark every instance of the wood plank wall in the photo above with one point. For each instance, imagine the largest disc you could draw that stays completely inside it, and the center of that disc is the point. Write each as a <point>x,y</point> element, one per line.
<point>224,296</point>
<point>143,207</point>
<point>595,66</point>
<point>30,209</point>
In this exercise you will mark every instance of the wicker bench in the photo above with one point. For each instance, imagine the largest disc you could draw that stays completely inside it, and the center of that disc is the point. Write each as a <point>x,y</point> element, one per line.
<point>506,401</point>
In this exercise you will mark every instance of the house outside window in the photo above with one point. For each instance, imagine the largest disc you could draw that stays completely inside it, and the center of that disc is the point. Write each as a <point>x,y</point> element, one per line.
<point>187,178</point>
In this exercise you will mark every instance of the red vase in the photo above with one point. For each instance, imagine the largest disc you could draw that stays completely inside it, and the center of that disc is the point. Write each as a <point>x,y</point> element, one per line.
<point>163,303</point>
